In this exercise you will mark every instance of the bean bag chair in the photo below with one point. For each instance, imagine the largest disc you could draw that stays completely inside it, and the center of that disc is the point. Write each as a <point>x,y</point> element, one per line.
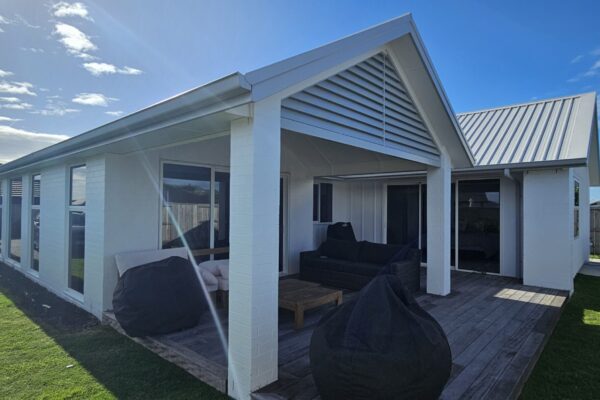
<point>159,297</point>
<point>380,345</point>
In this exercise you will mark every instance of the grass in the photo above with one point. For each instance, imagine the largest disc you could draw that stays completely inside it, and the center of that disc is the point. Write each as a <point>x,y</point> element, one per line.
<point>595,256</point>
<point>569,367</point>
<point>50,349</point>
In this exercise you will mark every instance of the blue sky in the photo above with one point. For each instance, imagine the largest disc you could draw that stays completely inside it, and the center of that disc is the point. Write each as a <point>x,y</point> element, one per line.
<point>67,67</point>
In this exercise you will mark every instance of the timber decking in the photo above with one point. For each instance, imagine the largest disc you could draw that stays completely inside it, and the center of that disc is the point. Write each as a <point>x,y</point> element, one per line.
<point>496,327</point>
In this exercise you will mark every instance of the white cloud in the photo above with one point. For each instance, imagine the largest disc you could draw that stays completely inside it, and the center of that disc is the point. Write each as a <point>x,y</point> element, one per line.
<point>114,113</point>
<point>76,42</point>
<point>17,88</point>
<point>4,73</point>
<point>595,52</point>
<point>576,59</point>
<point>9,119</point>
<point>19,142</point>
<point>10,99</point>
<point>56,110</point>
<point>23,21</point>
<point>33,49</point>
<point>98,69</point>
<point>4,21</point>
<point>55,107</point>
<point>64,9</point>
<point>93,99</point>
<point>16,106</point>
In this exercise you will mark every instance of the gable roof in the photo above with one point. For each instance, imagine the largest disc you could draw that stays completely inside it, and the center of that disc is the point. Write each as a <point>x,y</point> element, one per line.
<point>551,131</point>
<point>239,89</point>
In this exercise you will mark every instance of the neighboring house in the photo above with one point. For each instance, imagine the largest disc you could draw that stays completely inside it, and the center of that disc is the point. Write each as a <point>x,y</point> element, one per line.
<point>358,130</point>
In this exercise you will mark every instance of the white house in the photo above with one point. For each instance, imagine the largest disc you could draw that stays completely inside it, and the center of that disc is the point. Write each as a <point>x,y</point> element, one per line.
<point>362,126</point>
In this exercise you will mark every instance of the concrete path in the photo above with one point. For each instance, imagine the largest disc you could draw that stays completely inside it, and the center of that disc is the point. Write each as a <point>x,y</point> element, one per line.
<point>592,268</point>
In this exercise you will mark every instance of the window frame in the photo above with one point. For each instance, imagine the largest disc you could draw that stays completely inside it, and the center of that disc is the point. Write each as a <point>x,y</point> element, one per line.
<point>73,293</point>
<point>576,209</point>
<point>318,205</point>
<point>9,257</point>
<point>213,169</point>
<point>33,207</point>
<point>2,219</point>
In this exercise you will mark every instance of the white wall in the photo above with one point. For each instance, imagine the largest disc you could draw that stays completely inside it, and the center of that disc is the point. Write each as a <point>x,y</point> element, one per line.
<point>509,228</point>
<point>547,229</point>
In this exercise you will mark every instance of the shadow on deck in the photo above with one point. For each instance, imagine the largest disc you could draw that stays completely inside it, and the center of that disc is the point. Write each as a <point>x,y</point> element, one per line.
<point>496,327</point>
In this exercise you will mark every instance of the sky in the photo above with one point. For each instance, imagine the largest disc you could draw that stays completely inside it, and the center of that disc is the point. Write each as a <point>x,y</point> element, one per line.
<point>67,67</point>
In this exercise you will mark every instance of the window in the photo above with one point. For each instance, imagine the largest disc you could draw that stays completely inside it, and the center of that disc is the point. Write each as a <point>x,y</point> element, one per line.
<point>195,208</point>
<point>14,220</point>
<point>35,221</point>
<point>576,209</point>
<point>1,207</point>
<point>323,202</point>
<point>77,201</point>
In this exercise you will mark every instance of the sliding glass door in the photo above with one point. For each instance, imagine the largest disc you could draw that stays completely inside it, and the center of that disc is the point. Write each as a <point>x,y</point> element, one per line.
<point>475,222</point>
<point>403,215</point>
<point>479,225</point>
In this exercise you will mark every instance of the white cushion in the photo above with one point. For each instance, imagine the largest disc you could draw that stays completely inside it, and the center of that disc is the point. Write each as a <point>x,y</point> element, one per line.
<point>127,261</point>
<point>215,267</point>
<point>208,278</point>
<point>224,269</point>
<point>223,284</point>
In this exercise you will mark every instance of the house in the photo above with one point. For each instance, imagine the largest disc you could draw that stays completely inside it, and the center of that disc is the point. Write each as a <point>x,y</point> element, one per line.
<point>255,166</point>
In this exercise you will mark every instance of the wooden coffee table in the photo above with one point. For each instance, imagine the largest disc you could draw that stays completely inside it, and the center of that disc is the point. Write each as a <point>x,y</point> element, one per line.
<point>298,296</point>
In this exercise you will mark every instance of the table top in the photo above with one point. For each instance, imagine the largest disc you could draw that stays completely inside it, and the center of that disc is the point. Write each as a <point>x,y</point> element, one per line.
<point>293,292</point>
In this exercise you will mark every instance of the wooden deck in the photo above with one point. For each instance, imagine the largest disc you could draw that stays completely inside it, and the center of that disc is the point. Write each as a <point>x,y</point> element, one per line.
<point>496,327</point>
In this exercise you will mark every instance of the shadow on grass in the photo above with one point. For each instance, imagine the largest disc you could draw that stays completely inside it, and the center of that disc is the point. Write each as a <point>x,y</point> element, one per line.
<point>121,366</point>
<point>569,366</point>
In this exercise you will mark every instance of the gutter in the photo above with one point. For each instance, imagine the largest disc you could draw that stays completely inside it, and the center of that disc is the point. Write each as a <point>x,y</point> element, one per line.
<point>224,93</point>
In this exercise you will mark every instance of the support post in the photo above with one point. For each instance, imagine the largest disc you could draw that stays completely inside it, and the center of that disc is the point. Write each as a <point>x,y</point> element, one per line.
<point>438,227</point>
<point>254,241</point>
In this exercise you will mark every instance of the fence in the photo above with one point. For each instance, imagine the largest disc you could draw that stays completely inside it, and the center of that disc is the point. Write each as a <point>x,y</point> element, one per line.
<point>595,229</point>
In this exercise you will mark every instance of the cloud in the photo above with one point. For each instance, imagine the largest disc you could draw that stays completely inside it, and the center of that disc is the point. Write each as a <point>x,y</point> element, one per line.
<point>595,52</point>
<point>16,106</point>
<point>16,88</point>
<point>93,99</point>
<point>76,42</point>
<point>19,142</point>
<point>63,9</point>
<point>10,99</point>
<point>576,59</point>
<point>33,49</point>
<point>114,113</point>
<point>55,107</point>
<point>23,21</point>
<point>4,73</point>
<point>98,69</point>
<point>9,119</point>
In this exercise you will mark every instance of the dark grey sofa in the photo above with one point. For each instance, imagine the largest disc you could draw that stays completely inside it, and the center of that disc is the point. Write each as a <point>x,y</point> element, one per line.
<point>351,265</point>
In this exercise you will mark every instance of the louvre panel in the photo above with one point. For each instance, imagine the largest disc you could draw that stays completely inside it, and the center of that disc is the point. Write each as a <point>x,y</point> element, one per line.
<point>367,101</point>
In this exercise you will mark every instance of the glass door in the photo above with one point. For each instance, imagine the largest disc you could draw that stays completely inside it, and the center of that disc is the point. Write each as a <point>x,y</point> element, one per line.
<point>479,225</point>
<point>403,215</point>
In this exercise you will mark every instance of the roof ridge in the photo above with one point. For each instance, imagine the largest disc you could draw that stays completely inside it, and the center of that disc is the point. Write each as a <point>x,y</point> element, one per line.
<point>528,103</point>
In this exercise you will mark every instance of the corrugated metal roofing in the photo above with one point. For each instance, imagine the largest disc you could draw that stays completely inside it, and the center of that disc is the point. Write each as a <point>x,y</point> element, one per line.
<point>541,131</point>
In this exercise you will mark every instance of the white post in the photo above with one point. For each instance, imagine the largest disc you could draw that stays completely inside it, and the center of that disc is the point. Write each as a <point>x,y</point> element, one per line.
<point>438,228</point>
<point>254,240</point>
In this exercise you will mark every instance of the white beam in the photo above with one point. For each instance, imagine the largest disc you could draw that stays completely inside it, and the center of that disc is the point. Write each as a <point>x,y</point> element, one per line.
<point>438,227</point>
<point>254,241</point>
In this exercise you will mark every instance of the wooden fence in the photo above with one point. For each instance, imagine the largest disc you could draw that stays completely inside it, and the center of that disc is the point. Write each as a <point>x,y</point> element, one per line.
<point>595,229</point>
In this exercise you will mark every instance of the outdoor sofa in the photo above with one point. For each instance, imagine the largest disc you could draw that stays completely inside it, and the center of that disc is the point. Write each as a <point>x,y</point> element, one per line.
<point>351,265</point>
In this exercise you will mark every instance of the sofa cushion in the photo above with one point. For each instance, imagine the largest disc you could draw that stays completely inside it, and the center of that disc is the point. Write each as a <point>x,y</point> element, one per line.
<point>361,268</point>
<point>377,253</point>
<point>341,231</point>
<point>340,249</point>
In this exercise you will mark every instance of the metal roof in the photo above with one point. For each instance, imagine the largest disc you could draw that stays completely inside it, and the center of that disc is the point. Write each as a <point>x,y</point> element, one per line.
<point>544,131</point>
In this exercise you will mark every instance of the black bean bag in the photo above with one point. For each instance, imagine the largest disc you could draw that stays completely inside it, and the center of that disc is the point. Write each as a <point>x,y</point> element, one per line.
<point>380,345</point>
<point>159,297</point>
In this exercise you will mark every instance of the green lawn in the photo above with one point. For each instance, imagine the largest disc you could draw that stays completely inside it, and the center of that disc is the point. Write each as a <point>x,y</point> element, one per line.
<point>569,367</point>
<point>51,350</point>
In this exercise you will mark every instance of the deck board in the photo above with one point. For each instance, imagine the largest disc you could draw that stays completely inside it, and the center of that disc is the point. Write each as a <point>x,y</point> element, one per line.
<point>496,328</point>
